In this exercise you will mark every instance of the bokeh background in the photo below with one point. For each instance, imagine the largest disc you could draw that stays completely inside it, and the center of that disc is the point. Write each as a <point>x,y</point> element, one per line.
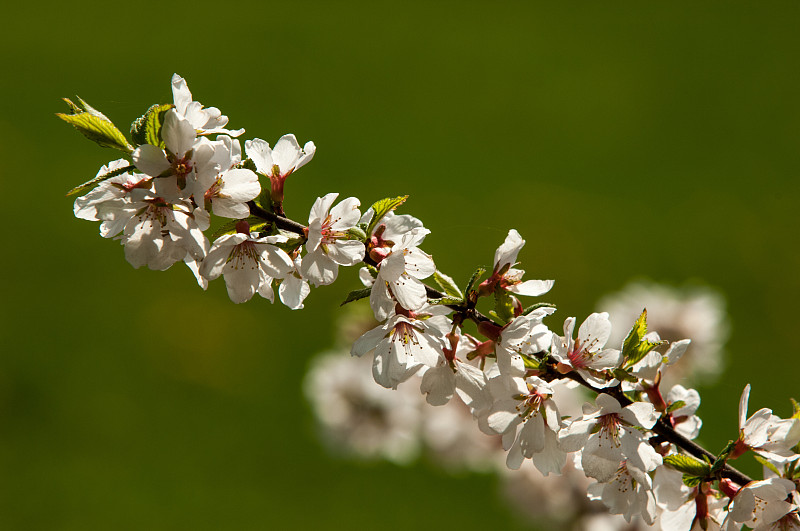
<point>622,141</point>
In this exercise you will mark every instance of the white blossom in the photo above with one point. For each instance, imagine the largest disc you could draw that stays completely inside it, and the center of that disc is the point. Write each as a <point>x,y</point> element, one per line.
<point>607,434</point>
<point>587,354</point>
<point>205,121</point>
<point>399,276</point>
<point>248,263</point>
<point>328,243</point>
<point>629,493</point>
<point>766,434</point>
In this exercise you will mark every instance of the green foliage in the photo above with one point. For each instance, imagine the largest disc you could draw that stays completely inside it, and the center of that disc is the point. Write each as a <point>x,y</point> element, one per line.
<point>688,465</point>
<point>504,305</point>
<point>88,185</point>
<point>373,271</point>
<point>356,295</point>
<point>691,481</point>
<point>767,464</point>
<point>536,306</point>
<point>474,279</point>
<point>635,347</point>
<point>448,285</point>
<point>95,126</point>
<point>447,301</point>
<point>675,406</point>
<point>147,128</point>
<point>722,458</point>
<point>623,375</point>
<point>356,233</point>
<point>383,207</point>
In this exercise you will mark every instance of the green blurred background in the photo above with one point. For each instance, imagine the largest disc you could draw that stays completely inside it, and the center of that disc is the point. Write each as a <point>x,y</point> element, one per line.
<point>621,141</point>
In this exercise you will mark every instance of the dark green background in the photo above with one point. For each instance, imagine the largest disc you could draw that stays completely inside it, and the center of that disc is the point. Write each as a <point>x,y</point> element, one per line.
<point>620,141</point>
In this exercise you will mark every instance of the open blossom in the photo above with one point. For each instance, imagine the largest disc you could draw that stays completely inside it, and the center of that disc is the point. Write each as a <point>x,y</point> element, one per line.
<point>766,434</point>
<point>248,263</point>
<point>205,121</point>
<point>328,245</point>
<point>403,344</point>
<point>228,192</point>
<point>187,165</point>
<point>629,493</point>
<point>760,504</point>
<point>683,508</point>
<point>452,375</point>
<point>526,334</point>
<point>607,434</point>
<point>587,354</point>
<point>529,421</point>
<point>279,162</point>
<point>509,279</point>
<point>399,276</point>
<point>157,233</point>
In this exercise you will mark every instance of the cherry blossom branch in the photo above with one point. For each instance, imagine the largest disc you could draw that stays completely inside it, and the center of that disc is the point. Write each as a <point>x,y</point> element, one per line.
<point>280,221</point>
<point>665,431</point>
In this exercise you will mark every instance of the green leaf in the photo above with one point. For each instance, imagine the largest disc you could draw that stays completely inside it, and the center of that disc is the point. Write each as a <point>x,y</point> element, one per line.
<point>767,464</point>
<point>636,334</point>
<point>687,465</point>
<point>448,301</point>
<point>722,458</point>
<point>531,363</point>
<point>623,375</point>
<point>372,270</point>
<point>355,233</point>
<point>795,408</point>
<point>635,347</point>
<point>474,279</point>
<point>88,185</point>
<point>95,126</point>
<point>356,295</point>
<point>675,406</point>
<point>383,207</point>
<point>504,305</point>
<point>447,284</point>
<point>147,128</point>
<point>536,306</point>
<point>256,225</point>
<point>691,481</point>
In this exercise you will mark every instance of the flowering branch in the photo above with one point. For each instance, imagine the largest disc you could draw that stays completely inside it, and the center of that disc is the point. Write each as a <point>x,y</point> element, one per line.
<point>634,441</point>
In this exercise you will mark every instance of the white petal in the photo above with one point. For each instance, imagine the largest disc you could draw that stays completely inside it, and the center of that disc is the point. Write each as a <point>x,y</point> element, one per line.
<point>178,133</point>
<point>532,288</point>
<point>150,160</point>
<point>507,253</point>
<point>293,292</point>
<point>438,384</point>
<point>260,153</point>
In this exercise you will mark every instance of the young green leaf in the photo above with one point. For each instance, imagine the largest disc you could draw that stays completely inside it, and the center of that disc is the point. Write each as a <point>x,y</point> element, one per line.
<point>451,301</point>
<point>95,126</point>
<point>536,306</point>
<point>356,295</point>
<point>767,464</point>
<point>504,305</point>
<point>675,406</point>
<point>88,185</point>
<point>383,207</point>
<point>147,128</point>
<point>687,465</point>
<point>448,285</point>
<point>474,279</point>
<point>636,334</point>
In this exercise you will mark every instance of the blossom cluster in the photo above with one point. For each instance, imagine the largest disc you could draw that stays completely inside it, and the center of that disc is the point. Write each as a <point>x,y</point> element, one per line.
<point>633,441</point>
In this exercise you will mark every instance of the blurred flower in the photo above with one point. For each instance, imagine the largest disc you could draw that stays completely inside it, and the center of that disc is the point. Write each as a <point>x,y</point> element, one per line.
<point>697,313</point>
<point>360,418</point>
